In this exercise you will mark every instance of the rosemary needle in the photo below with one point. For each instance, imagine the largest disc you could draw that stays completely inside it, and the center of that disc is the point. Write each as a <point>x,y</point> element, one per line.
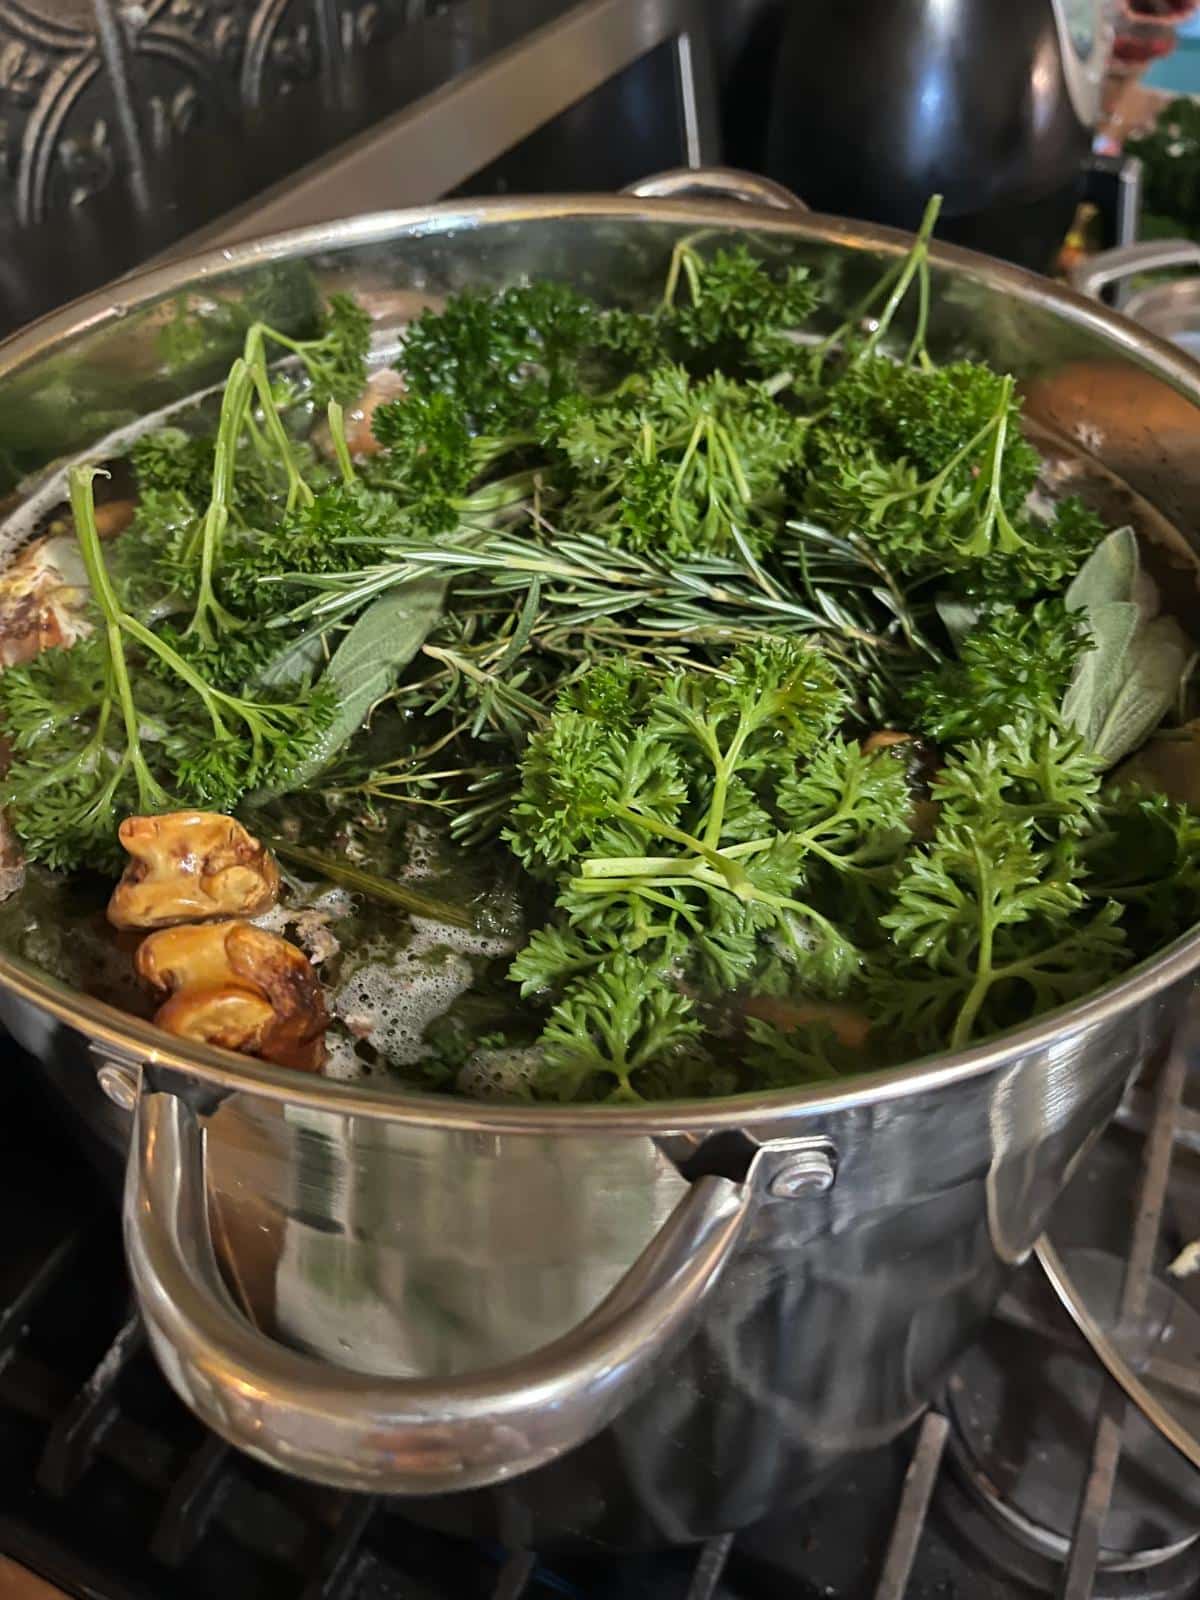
<point>369,883</point>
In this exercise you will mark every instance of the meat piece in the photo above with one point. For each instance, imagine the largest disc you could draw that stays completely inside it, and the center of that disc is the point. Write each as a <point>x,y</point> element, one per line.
<point>233,958</point>
<point>396,307</point>
<point>386,384</point>
<point>12,860</point>
<point>317,939</point>
<point>189,865</point>
<point>849,1025</point>
<point>885,739</point>
<point>1167,764</point>
<point>113,517</point>
<point>381,298</point>
<point>43,600</point>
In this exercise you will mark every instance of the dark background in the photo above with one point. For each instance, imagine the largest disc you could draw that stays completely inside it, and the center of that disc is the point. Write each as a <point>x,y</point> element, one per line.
<point>125,125</point>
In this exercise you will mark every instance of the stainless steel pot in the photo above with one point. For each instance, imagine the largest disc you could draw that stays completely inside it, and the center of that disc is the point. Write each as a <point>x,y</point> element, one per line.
<point>1170,309</point>
<point>621,1324</point>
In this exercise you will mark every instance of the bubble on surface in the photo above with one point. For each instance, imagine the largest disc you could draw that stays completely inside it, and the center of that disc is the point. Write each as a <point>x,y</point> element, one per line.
<point>503,1073</point>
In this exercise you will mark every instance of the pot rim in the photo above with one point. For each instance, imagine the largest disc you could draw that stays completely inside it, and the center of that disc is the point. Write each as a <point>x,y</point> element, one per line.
<point>118,1036</point>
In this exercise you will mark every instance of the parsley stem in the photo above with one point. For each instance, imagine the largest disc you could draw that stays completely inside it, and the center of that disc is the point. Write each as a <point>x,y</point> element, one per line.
<point>631,866</point>
<point>337,432</point>
<point>915,259</point>
<point>984,975</point>
<point>725,766</point>
<point>896,279</point>
<point>234,403</point>
<point>254,355</point>
<point>683,258</point>
<point>83,508</point>
<point>995,515</point>
<point>702,875</point>
<point>698,432</point>
<point>916,350</point>
<point>666,830</point>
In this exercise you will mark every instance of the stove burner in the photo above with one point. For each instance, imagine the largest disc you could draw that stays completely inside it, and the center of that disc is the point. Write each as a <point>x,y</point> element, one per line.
<point>1022,1407</point>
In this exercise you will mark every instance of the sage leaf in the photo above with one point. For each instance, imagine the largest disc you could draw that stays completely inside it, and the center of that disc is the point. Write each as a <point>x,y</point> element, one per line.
<point>1108,574</point>
<point>1098,675</point>
<point>1153,665</point>
<point>298,659</point>
<point>364,666</point>
<point>1127,681</point>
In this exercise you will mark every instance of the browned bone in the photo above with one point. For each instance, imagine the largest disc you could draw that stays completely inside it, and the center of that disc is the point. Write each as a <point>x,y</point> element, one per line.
<point>209,969</point>
<point>190,865</point>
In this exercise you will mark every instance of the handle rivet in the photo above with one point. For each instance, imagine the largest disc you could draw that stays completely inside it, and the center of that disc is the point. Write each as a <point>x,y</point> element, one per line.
<point>119,1084</point>
<point>809,1173</point>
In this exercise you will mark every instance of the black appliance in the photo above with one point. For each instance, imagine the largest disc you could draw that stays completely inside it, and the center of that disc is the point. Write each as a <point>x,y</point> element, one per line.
<point>867,107</point>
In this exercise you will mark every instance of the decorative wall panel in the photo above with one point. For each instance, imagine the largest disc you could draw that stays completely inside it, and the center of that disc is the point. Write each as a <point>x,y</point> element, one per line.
<point>90,88</point>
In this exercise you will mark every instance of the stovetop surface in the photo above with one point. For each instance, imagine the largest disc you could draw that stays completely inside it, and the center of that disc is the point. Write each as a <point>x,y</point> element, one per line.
<point>111,1490</point>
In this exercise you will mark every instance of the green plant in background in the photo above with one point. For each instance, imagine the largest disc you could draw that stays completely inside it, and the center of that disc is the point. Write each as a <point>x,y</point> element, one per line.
<point>1170,157</point>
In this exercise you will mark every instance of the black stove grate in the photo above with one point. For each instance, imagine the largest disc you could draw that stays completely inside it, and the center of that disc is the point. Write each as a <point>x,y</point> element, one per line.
<point>111,1490</point>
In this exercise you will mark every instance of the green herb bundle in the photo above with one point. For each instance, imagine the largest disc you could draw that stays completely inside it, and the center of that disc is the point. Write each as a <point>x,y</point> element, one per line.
<point>620,598</point>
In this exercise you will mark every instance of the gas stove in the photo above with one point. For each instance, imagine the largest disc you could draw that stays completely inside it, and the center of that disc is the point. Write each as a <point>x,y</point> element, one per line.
<point>1032,1475</point>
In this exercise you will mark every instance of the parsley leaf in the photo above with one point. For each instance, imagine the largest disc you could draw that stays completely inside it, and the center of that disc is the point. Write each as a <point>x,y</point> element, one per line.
<point>1014,662</point>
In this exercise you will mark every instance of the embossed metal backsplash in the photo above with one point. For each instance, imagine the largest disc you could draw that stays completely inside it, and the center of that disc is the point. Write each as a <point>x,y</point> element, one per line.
<point>93,88</point>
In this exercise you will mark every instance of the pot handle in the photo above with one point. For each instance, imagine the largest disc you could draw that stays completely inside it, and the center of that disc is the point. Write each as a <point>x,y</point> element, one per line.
<point>719,183</point>
<point>1149,255</point>
<point>412,1436</point>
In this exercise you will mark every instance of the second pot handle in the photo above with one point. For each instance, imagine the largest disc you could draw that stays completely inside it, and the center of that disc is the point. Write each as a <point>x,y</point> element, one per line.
<point>1149,255</point>
<point>413,1436</point>
<point>718,183</point>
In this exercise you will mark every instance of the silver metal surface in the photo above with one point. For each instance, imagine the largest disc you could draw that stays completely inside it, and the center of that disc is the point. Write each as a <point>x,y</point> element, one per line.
<point>1087,1542</point>
<point>1083,1563</point>
<point>1170,309</point>
<point>717,183</point>
<point>1085,36</point>
<point>1136,1112</point>
<point>515,1576</point>
<point>1112,1359</point>
<point>370,1237</point>
<point>810,1173</point>
<point>415,1435</point>
<point>119,1084</point>
<point>710,1567</point>
<point>1149,255</point>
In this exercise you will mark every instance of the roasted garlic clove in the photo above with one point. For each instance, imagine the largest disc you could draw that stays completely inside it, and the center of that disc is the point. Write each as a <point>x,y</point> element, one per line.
<point>220,957</point>
<point>233,1017</point>
<point>189,865</point>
